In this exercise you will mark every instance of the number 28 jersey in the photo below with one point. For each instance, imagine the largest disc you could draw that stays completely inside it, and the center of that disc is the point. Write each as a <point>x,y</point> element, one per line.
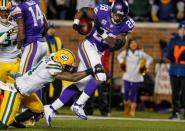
<point>31,12</point>
<point>103,15</point>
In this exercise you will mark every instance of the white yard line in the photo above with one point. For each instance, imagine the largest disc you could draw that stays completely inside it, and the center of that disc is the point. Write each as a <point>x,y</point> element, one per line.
<point>117,118</point>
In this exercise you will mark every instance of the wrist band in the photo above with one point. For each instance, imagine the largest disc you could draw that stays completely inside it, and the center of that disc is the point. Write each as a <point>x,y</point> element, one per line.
<point>104,35</point>
<point>76,21</point>
<point>89,71</point>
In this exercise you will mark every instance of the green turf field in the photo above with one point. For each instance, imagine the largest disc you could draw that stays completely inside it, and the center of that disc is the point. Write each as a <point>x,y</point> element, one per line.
<point>67,122</point>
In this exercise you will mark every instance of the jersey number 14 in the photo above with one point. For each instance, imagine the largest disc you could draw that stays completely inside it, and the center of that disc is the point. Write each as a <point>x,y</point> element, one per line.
<point>36,15</point>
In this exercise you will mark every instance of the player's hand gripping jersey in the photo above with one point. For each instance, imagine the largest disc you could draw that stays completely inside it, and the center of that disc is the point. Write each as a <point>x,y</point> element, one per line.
<point>33,17</point>
<point>8,35</point>
<point>103,16</point>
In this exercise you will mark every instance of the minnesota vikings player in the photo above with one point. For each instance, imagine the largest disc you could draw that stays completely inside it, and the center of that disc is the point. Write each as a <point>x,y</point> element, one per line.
<point>111,27</point>
<point>31,26</point>
<point>57,65</point>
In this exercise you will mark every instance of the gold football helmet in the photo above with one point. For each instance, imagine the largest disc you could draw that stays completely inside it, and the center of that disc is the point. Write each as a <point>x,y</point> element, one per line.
<point>64,57</point>
<point>5,7</point>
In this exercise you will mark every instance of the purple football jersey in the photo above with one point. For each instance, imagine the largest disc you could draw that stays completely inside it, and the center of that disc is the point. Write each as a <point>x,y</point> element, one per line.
<point>103,15</point>
<point>33,19</point>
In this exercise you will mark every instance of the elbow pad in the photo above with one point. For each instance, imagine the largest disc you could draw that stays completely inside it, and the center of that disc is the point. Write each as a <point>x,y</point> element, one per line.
<point>118,44</point>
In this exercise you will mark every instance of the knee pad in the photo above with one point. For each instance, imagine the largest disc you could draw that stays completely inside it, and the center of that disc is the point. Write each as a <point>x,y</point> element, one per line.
<point>101,77</point>
<point>99,73</point>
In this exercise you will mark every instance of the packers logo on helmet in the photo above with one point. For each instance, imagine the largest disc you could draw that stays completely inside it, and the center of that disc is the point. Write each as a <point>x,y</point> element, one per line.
<point>64,57</point>
<point>5,5</point>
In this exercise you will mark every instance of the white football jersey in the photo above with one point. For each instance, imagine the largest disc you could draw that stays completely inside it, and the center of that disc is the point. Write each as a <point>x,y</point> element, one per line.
<point>9,43</point>
<point>43,72</point>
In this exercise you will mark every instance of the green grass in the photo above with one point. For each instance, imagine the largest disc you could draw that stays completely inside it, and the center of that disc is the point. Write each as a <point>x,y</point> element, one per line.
<point>74,124</point>
<point>107,125</point>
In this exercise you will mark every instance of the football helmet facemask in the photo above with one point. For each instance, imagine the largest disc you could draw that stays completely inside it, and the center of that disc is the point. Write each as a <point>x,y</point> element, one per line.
<point>65,57</point>
<point>5,7</point>
<point>119,11</point>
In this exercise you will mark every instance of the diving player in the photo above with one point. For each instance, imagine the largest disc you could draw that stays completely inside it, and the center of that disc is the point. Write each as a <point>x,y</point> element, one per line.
<point>112,24</point>
<point>55,66</point>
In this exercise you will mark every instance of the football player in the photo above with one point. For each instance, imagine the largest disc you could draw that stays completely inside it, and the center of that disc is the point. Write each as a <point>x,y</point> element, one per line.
<point>9,62</point>
<point>32,24</point>
<point>112,24</point>
<point>55,66</point>
<point>8,34</point>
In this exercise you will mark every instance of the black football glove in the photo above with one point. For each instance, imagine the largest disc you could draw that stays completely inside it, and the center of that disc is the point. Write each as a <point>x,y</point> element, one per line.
<point>98,69</point>
<point>76,27</point>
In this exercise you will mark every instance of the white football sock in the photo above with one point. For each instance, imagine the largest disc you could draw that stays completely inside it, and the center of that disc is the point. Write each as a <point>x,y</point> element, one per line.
<point>57,104</point>
<point>82,99</point>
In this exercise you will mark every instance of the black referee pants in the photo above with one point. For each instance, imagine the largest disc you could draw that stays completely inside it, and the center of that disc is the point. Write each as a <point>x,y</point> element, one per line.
<point>178,92</point>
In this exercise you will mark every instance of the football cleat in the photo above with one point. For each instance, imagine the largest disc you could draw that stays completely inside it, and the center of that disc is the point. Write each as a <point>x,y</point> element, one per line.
<point>49,113</point>
<point>175,116</point>
<point>79,111</point>
<point>30,122</point>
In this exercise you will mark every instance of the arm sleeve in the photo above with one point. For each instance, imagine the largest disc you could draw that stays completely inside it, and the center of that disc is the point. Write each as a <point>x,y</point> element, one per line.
<point>16,12</point>
<point>148,58</point>
<point>121,57</point>
<point>168,51</point>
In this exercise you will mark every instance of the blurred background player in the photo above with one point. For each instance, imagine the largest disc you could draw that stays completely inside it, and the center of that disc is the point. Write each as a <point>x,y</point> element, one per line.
<point>133,61</point>
<point>9,61</point>
<point>167,10</point>
<point>57,65</point>
<point>111,26</point>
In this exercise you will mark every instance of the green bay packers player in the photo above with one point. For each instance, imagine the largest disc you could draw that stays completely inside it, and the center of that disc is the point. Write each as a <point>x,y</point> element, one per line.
<point>55,66</point>
<point>8,34</point>
<point>9,62</point>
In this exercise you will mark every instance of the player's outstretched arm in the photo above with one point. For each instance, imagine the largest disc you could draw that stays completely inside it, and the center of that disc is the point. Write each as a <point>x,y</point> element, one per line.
<point>21,32</point>
<point>69,76</point>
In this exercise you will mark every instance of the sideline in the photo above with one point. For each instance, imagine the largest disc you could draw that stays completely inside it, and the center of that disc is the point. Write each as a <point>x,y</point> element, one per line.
<point>117,118</point>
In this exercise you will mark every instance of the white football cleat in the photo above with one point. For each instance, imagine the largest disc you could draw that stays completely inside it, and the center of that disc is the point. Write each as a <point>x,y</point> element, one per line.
<point>78,111</point>
<point>49,113</point>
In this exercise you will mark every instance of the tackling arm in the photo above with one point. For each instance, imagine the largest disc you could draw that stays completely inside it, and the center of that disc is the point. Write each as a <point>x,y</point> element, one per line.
<point>69,76</point>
